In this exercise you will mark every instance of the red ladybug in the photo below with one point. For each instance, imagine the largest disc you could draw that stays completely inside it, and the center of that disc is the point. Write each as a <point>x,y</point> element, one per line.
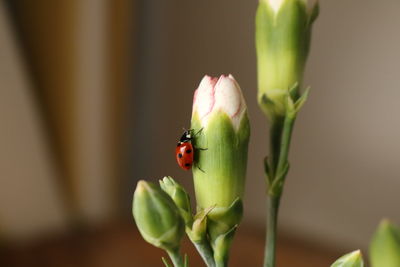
<point>184,151</point>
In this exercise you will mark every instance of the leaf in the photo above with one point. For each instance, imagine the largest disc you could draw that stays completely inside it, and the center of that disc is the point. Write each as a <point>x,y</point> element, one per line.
<point>164,260</point>
<point>277,185</point>
<point>300,102</point>
<point>267,170</point>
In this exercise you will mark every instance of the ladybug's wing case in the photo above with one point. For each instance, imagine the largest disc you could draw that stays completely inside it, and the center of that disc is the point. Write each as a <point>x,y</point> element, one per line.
<point>184,155</point>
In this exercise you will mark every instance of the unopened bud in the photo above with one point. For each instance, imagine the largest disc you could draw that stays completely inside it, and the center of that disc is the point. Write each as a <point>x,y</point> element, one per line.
<point>157,217</point>
<point>353,259</point>
<point>385,246</point>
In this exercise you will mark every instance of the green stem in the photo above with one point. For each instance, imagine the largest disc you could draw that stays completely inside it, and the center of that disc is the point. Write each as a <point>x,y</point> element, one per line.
<point>176,258</point>
<point>285,141</point>
<point>275,143</point>
<point>221,257</point>
<point>205,252</point>
<point>280,137</point>
<point>270,248</point>
<point>221,263</point>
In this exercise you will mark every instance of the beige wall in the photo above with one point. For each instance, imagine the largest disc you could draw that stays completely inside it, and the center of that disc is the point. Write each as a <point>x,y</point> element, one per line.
<point>346,147</point>
<point>345,153</point>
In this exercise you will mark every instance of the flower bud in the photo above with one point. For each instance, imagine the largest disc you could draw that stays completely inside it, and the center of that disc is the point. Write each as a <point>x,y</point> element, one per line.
<point>385,246</point>
<point>179,196</point>
<point>157,217</point>
<point>221,135</point>
<point>283,31</point>
<point>353,259</point>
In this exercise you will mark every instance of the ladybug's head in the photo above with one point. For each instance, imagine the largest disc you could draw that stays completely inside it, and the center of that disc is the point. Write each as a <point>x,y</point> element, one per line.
<point>186,136</point>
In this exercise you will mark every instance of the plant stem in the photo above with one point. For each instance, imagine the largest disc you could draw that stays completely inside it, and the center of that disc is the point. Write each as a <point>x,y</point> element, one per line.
<point>221,263</point>
<point>221,257</point>
<point>205,252</point>
<point>285,141</point>
<point>280,137</point>
<point>277,125</point>
<point>176,257</point>
<point>270,248</point>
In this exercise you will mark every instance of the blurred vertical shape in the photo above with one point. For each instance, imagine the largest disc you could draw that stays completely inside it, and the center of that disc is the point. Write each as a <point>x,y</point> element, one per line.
<point>78,54</point>
<point>49,36</point>
<point>30,203</point>
<point>121,48</point>
<point>46,33</point>
<point>90,138</point>
<point>150,104</point>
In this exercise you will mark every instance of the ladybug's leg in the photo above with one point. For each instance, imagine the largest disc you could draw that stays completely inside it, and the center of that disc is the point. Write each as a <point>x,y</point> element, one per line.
<point>199,168</point>
<point>199,131</point>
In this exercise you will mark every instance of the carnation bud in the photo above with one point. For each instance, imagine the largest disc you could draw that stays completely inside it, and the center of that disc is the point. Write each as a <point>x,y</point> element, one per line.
<point>220,119</point>
<point>157,217</point>
<point>283,32</point>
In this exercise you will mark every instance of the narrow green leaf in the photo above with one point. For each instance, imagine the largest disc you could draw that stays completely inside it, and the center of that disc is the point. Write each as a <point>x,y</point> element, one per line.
<point>300,102</point>
<point>164,260</point>
<point>267,170</point>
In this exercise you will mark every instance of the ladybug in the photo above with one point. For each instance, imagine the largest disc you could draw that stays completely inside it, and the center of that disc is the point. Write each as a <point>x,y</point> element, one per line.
<point>184,151</point>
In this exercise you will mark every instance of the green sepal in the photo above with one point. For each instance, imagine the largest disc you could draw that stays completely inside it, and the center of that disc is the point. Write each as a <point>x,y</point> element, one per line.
<point>222,245</point>
<point>290,108</point>
<point>385,245</point>
<point>300,102</point>
<point>275,189</point>
<point>270,107</point>
<point>352,259</point>
<point>222,224</point>
<point>198,231</point>
<point>222,219</point>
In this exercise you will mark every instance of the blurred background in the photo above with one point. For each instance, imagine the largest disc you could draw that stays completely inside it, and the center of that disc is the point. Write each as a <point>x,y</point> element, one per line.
<point>94,95</point>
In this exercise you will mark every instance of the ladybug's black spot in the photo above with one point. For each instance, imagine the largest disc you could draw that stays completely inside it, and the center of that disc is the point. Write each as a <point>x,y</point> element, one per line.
<point>187,164</point>
<point>189,151</point>
<point>179,155</point>
<point>178,144</point>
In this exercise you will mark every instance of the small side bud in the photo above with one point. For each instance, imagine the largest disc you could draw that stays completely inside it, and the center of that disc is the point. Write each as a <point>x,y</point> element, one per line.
<point>353,259</point>
<point>157,217</point>
<point>179,196</point>
<point>385,245</point>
